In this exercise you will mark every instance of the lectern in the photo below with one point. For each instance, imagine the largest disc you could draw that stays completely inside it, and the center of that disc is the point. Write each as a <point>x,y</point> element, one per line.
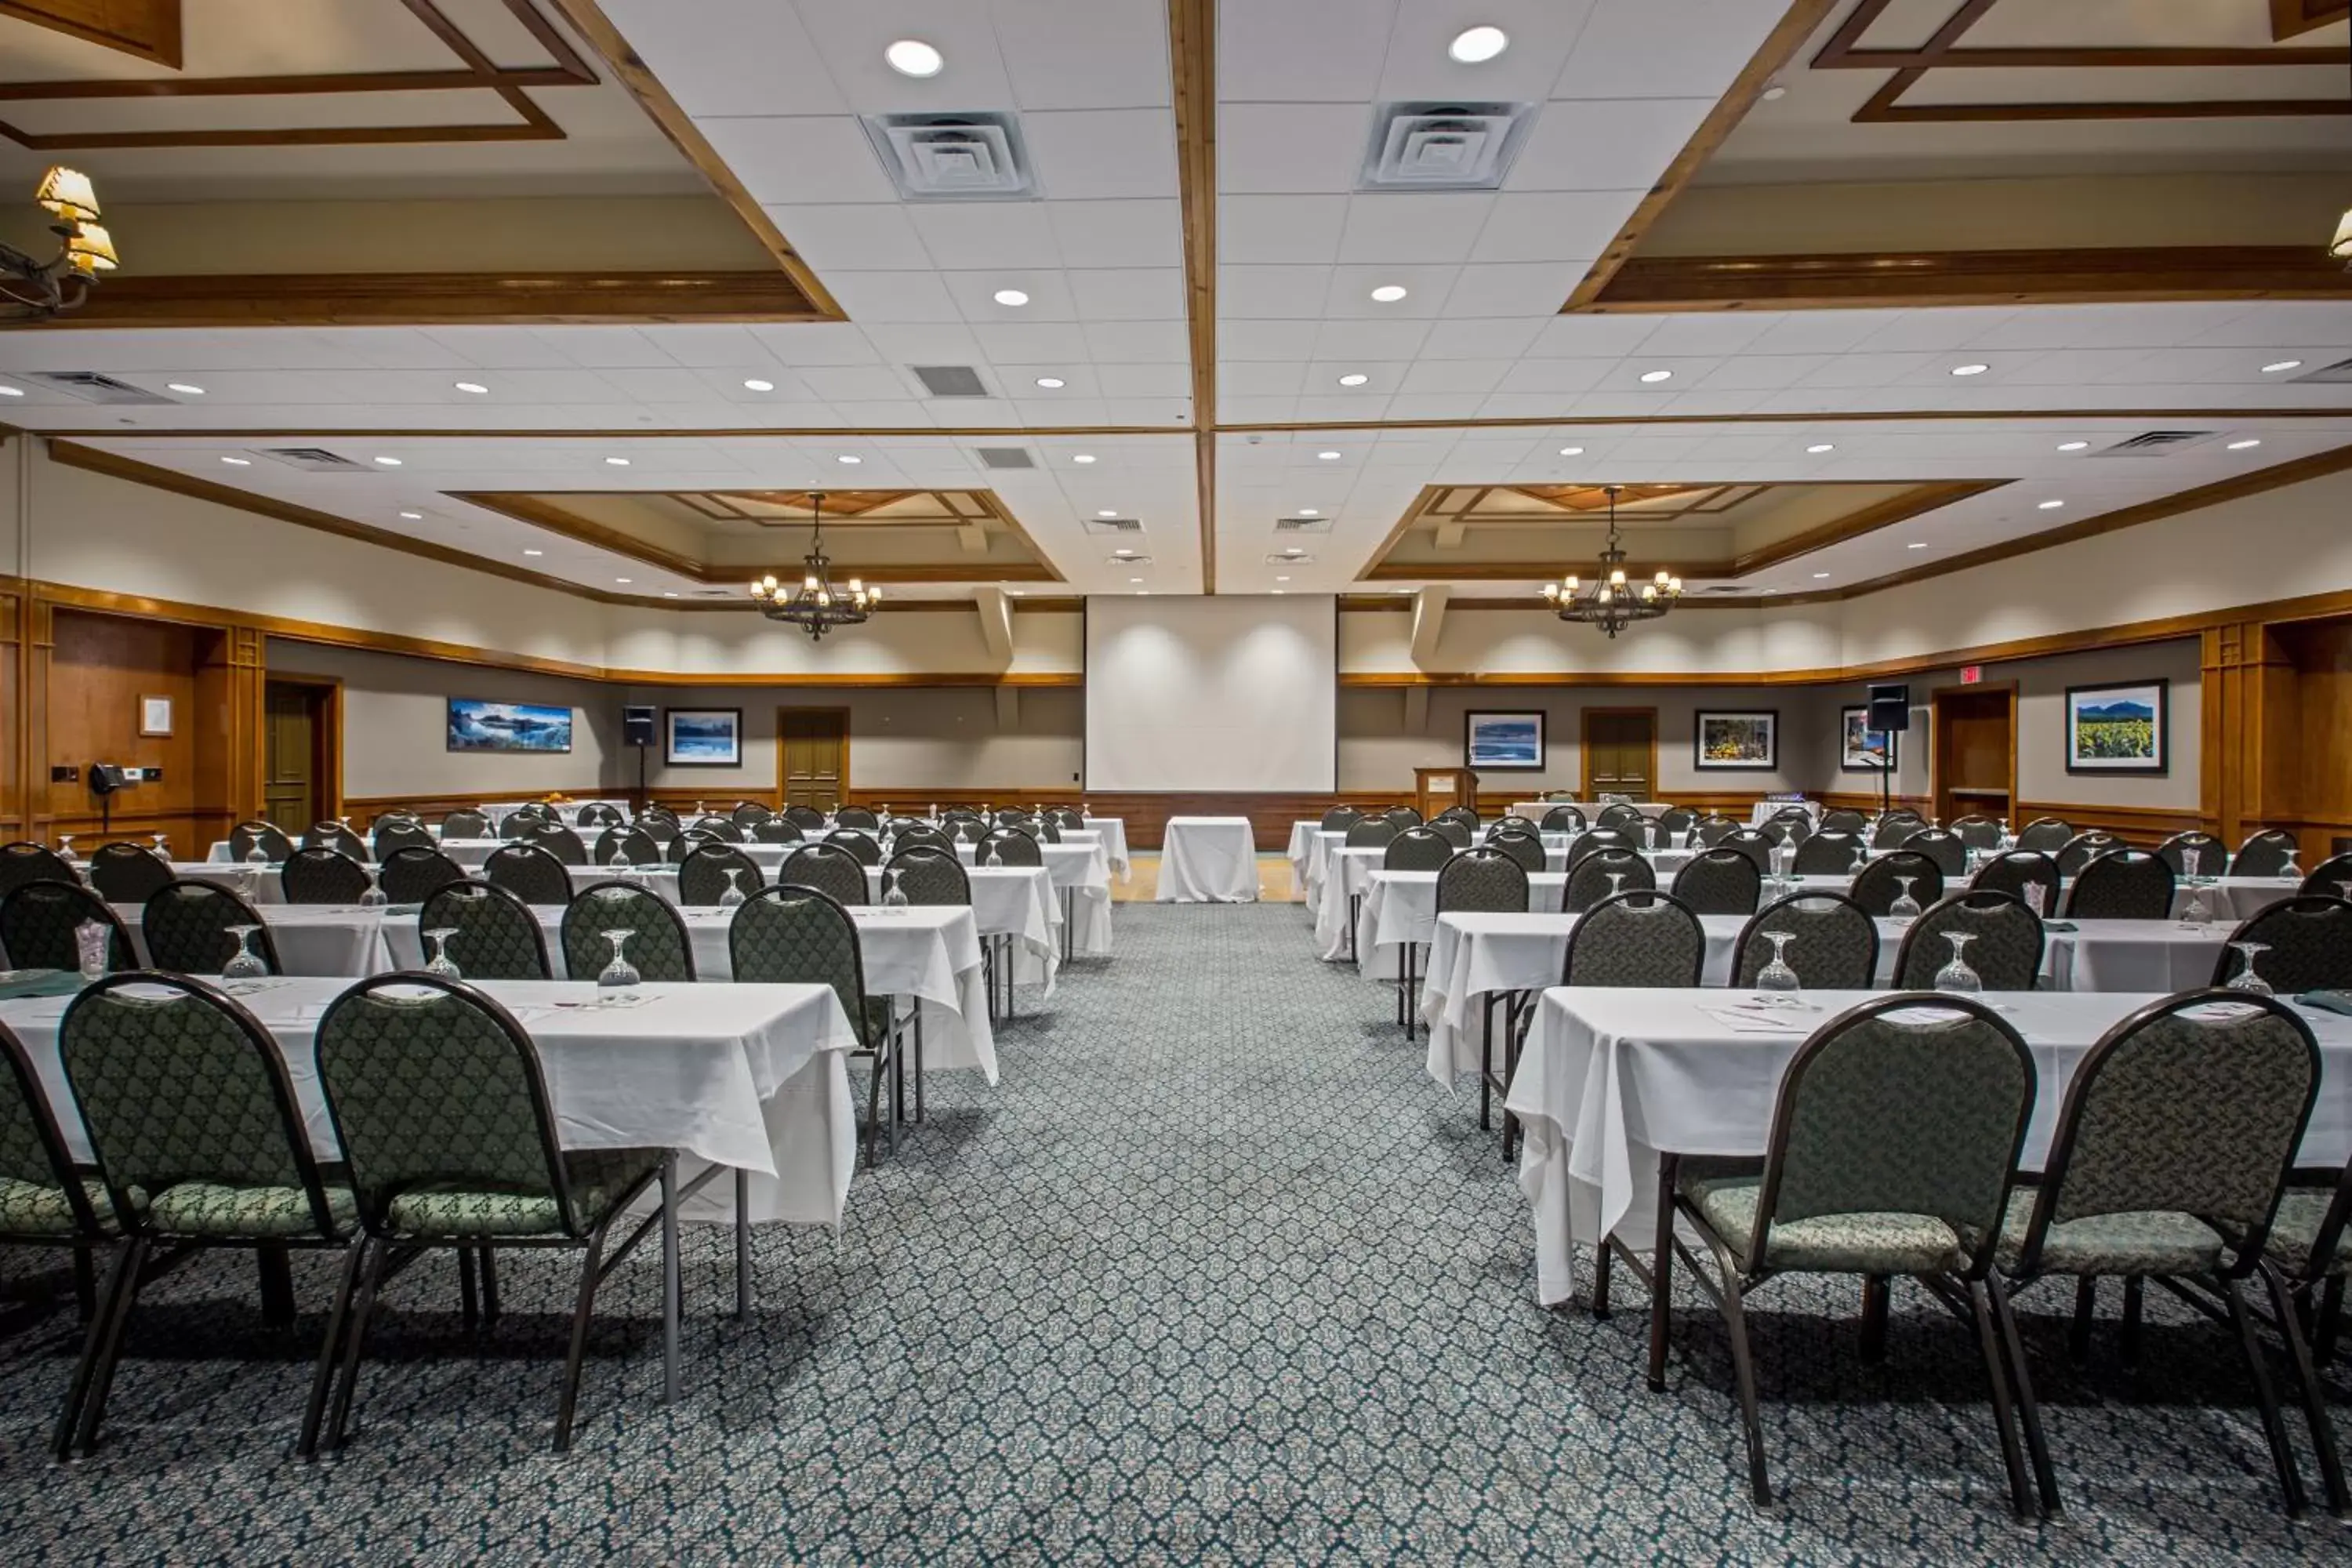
<point>1442,789</point>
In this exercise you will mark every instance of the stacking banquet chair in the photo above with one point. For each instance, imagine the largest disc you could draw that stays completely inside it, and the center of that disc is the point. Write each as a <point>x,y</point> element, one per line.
<point>24,862</point>
<point>2309,943</point>
<point>322,876</point>
<point>1711,830</point>
<point>465,822</point>
<point>1748,841</point>
<point>749,813</point>
<point>1068,818</point>
<point>2078,851</point>
<point>267,835</point>
<point>2004,944</point>
<point>1877,885</point>
<point>829,868</point>
<point>338,836</point>
<point>497,936</point>
<point>126,873</point>
<point>2121,885</point>
<point>37,923</point>
<point>804,817</point>
<point>1010,846</point>
<point>800,936</point>
<point>2047,834</point>
<point>2214,855</point>
<point>1617,815</point>
<point>442,1110</point>
<point>1339,818</point>
<point>2332,876</point>
<point>725,829</point>
<point>857,816</point>
<point>1792,826</point>
<point>1895,1140</point>
<point>1509,821</point>
<point>1597,838</point>
<point>1527,849</point>
<point>703,876</point>
<point>561,842</point>
<point>410,875</point>
<point>1485,881</point>
<point>1978,832</point>
<point>1844,819</point>
<point>2028,874</point>
<point>514,824</point>
<point>1563,819</point>
<point>528,871</point>
<point>1833,942</point>
<point>399,834</point>
<point>2265,854</point>
<point>1044,829</point>
<point>927,874</point>
<point>686,842</point>
<point>1828,854</point>
<point>635,845</point>
<point>1675,822</point>
<point>2311,1246</point>
<point>1368,833</point>
<point>2172,1149</point>
<point>596,814</point>
<point>1419,848</point>
<point>1944,846</point>
<point>1720,882</point>
<point>1603,873</point>
<point>923,836</point>
<point>776,830</point>
<point>44,1201</point>
<point>1453,830</point>
<point>1894,828</point>
<point>858,842</point>
<point>657,946</point>
<point>1404,816</point>
<point>200,1142</point>
<point>189,928</point>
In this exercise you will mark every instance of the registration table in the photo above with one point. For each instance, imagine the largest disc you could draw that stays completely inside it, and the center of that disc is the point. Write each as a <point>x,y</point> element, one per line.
<point>1208,860</point>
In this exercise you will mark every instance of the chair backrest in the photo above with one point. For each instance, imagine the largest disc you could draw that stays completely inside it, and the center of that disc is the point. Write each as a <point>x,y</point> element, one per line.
<point>804,816</point>
<point>1676,820</point>
<point>831,869</point>
<point>1894,828</point>
<point>562,842</point>
<point>2121,885</point>
<point>186,928</point>
<point>685,843</point>
<point>336,835</point>
<point>498,936</point>
<point>269,835</point>
<point>127,873</point>
<point>927,874</point>
<point>1904,1105</point>
<point>923,836</point>
<point>1369,833</point>
<point>2213,855</point>
<point>636,846</point>
<point>2048,835</point>
<point>322,876</point>
<point>530,872</point>
<point>1010,847</point>
<point>776,830</point>
<point>1644,937</point>
<point>1880,883</point>
<point>1403,816</point>
<point>1454,831</point>
<point>858,842</point>
<point>2195,1104</point>
<point>659,949</point>
<point>599,813</point>
<point>1747,842</point>
<point>1457,813</point>
<point>1611,867</point>
<point>2310,941</point>
<point>1842,819</point>
<point>1720,882</point>
<point>1830,854</point>
<point>702,875</point>
<point>749,813</point>
<point>1596,839</point>
<point>1527,849</point>
<point>32,1149</point>
<point>1617,815</point>
<point>521,823</point>
<point>2018,873</point>
<point>1944,846</point>
<point>1563,819</point>
<point>2264,854</point>
<point>1014,816</point>
<point>175,1083</point>
<point>1792,831</point>
<point>1487,880</point>
<point>798,936</point>
<point>1044,829</point>
<point>432,1084</point>
<point>2332,876</point>
<point>1978,832</point>
<point>1509,821</point>
<point>857,816</point>
<point>1068,818</point>
<point>725,829</point>
<point>1417,849</point>
<point>399,834</point>
<point>465,822</point>
<point>1833,942</point>
<point>410,875</point>
<point>1712,829</point>
<point>2005,951</point>
<point>37,923</point>
<point>25,861</point>
<point>2078,851</point>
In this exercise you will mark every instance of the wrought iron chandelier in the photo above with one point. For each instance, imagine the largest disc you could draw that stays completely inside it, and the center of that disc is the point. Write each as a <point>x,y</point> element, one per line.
<point>1609,601</point>
<point>37,290</point>
<point>817,607</point>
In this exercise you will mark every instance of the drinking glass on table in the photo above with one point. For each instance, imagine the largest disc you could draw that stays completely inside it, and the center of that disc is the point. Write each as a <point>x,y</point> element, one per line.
<point>1904,909</point>
<point>163,845</point>
<point>2291,871</point>
<point>2247,979</point>
<point>995,860</point>
<point>1777,975</point>
<point>440,963</point>
<point>256,855</point>
<point>620,972</point>
<point>1616,881</point>
<point>1956,975</point>
<point>93,945</point>
<point>2198,911</point>
<point>733,895</point>
<point>64,848</point>
<point>894,897</point>
<point>246,964</point>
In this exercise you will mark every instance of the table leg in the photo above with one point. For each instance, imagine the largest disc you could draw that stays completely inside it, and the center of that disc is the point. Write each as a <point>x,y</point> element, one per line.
<point>1662,1274</point>
<point>669,1277</point>
<point>742,1245</point>
<point>918,1058</point>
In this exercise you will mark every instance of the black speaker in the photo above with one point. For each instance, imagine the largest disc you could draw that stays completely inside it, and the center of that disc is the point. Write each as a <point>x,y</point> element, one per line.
<point>636,726</point>
<point>1890,708</point>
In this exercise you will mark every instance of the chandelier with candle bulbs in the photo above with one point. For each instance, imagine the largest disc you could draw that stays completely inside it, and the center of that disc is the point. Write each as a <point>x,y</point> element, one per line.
<point>816,606</point>
<point>35,290</point>
<point>1611,601</point>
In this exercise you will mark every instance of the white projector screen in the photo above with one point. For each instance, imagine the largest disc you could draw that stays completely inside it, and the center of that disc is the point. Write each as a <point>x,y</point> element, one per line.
<point>1212,693</point>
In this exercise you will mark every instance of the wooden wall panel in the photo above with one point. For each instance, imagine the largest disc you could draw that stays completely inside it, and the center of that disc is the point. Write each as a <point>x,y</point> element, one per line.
<point>14,705</point>
<point>95,671</point>
<point>2320,733</point>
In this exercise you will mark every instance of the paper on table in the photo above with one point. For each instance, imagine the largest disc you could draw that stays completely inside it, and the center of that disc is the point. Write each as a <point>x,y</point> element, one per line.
<point>1755,1023</point>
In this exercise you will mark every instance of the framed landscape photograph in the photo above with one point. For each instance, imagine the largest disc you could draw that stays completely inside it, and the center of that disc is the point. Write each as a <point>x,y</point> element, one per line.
<point>702,737</point>
<point>2118,729</point>
<point>1744,740</point>
<point>476,726</point>
<point>1503,742</point>
<point>1864,750</point>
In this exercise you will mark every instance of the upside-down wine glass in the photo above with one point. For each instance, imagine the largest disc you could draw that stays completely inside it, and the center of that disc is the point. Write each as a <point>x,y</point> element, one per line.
<point>620,972</point>
<point>1956,975</point>
<point>371,896</point>
<point>2198,911</point>
<point>2247,979</point>
<point>1777,975</point>
<point>2037,898</point>
<point>244,963</point>
<point>995,859</point>
<point>894,897</point>
<point>257,854</point>
<point>1616,881</point>
<point>64,848</point>
<point>2291,871</point>
<point>1904,909</point>
<point>733,897</point>
<point>163,847</point>
<point>440,963</point>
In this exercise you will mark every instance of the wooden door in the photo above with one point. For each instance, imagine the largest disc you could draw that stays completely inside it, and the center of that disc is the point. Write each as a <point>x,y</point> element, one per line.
<point>294,733</point>
<point>1620,753</point>
<point>812,755</point>
<point>1975,757</point>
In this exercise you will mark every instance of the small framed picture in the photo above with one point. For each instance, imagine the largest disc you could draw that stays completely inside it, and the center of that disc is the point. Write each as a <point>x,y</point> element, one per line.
<point>154,715</point>
<point>1746,741</point>
<point>2118,729</point>
<point>702,737</point>
<point>1503,742</point>
<point>1863,749</point>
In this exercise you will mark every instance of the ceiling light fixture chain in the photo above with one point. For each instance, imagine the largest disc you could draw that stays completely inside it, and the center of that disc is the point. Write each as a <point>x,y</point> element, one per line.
<point>1609,601</point>
<point>816,606</point>
<point>39,290</point>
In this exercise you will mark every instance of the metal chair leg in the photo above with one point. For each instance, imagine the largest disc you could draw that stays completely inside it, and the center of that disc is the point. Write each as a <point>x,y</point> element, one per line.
<point>468,1310</point>
<point>277,1275</point>
<point>117,1323</point>
<point>374,1254</point>
<point>322,1378</point>
<point>1662,1272</point>
<point>2029,1411</point>
<point>742,1245</point>
<point>85,1277</point>
<point>2135,1307</point>
<point>569,1400</point>
<point>1743,1367</point>
<point>918,1015</point>
<point>101,1313</point>
<point>1876,1297</point>
<point>672,1286</point>
<point>2086,1302</point>
<point>2273,1426</point>
<point>489,1262</point>
<point>2020,1490</point>
<point>1603,1263</point>
<point>2307,1380</point>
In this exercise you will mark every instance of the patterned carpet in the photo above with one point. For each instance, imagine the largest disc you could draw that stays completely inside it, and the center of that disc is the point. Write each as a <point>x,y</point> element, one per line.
<point>1215,1275</point>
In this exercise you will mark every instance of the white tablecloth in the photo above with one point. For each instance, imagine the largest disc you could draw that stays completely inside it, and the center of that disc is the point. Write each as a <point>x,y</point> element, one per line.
<point>1208,860</point>
<point>1533,810</point>
<point>1110,832</point>
<point>2133,955</point>
<point>318,940</point>
<point>1401,907</point>
<point>1608,1078</point>
<point>746,1076</point>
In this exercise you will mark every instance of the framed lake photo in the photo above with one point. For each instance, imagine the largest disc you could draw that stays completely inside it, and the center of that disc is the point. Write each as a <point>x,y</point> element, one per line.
<point>508,726</point>
<point>2118,729</point>
<point>702,737</point>
<point>1746,741</point>
<point>1864,750</point>
<point>1503,742</point>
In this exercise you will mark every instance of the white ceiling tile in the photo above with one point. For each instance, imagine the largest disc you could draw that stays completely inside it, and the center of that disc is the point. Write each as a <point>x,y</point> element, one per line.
<point>800,161</point>
<point>1152,381</point>
<point>856,383</point>
<point>1040,344</point>
<point>1271,292</point>
<point>1455,376</point>
<point>1139,343</point>
<point>1103,155</point>
<point>1118,234</point>
<point>852,34</point>
<point>854,235</point>
<point>1760,372</point>
<point>1380,379</point>
<point>1951,328</point>
<point>934,343</point>
<point>595,347</point>
<point>1554,375</point>
<point>1148,410</point>
<point>1328,51</point>
<point>1104,54</point>
<point>1616,144</point>
<point>1525,289</point>
<point>717,345</point>
<point>1590,337</point>
<point>1399,340</point>
<point>1127,294</point>
<point>1668,48</point>
<point>1396,227</point>
<point>1267,340</point>
<point>1819,331</point>
<point>1282,148</point>
<point>1060,410</point>
<point>738,56</point>
<point>1339,404</point>
<point>976,294</point>
<point>499,348</point>
<point>1280,229</point>
<point>872,298</point>
<point>986,235</point>
<point>1540,32</point>
<point>816,342</point>
<point>1498,338</point>
<point>1552,225</point>
<point>1078,380</point>
<point>1261,378</point>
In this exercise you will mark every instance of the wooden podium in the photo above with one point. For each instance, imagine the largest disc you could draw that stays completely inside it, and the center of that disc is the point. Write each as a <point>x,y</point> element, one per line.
<point>1442,789</point>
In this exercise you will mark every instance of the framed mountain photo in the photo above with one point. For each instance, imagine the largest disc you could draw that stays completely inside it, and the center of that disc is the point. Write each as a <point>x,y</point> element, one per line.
<point>2118,729</point>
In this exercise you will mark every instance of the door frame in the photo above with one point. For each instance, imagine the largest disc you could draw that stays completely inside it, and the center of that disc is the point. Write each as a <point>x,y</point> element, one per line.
<point>1584,747</point>
<point>783,781</point>
<point>1935,749</point>
<point>328,737</point>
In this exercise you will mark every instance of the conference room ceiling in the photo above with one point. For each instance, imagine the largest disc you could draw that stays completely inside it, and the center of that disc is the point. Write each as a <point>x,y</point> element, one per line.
<point>1327,415</point>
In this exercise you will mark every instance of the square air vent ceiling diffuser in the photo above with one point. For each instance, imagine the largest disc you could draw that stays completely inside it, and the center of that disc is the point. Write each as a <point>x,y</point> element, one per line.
<point>1444,146</point>
<point>91,387</point>
<point>961,157</point>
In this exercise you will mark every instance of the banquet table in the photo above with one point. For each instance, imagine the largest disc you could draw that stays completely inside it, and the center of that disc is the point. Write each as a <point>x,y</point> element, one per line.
<point>1208,860</point>
<point>1401,907</point>
<point>1764,811</point>
<point>1609,1079</point>
<point>1534,809</point>
<point>1347,874</point>
<point>1110,832</point>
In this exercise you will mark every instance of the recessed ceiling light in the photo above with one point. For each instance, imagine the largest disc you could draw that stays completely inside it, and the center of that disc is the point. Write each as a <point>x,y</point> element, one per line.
<point>1106,512</point>
<point>414,516</point>
<point>2249,441</point>
<point>12,391</point>
<point>1354,378</point>
<point>1476,46</point>
<point>1917,545</point>
<point>1308,512</point>
<point>616,462</point>
<point>1084,457</point>
<point>1389,293</point>
<point>756,384</point>
<point>2279,366</point>
<point>238,462</point>
<point>388,462</point>
<point>191,389</point>
<point>621,579</point>
<point>1822,446</point>
<point>1122,553</point>
<point>534,552</point>
<point>476,388</point>
<point>1051,383</point>
<point>1282,579</point>
<point>2071,446</point>
<point>669,593</point>
<point>849,458</point>
<point>1327,457</point>
<point>1970,369</point>
<point>912,57</point>
<point>1571,451</point>
<point>1011,297</point>
<point>1656,376</point>
<point>1135,579</point>
<point>2048,505</point>
<point>1818,575</point>
<point>1775,93</point>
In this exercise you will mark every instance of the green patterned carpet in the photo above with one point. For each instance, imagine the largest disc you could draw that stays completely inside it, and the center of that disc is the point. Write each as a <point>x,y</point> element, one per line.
<point>1215,1275</point>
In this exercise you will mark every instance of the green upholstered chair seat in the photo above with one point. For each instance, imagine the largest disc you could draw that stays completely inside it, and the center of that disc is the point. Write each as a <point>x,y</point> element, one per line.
<point>217,1210</point>
<point>600,1179</point>
<point>2137,1242</point>
<point>37,1208</point>
<point>1840,1244</point>
<point>2301,1213</point>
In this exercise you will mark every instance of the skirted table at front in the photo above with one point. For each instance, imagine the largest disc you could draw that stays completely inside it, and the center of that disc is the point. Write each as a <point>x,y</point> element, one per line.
<point>1208,861</point>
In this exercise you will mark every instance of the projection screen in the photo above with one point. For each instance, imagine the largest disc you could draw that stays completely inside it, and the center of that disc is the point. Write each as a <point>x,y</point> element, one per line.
<point>1212,693</point>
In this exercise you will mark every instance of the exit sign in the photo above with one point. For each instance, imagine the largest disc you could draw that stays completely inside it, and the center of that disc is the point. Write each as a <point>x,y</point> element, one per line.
<point>1970,674</point>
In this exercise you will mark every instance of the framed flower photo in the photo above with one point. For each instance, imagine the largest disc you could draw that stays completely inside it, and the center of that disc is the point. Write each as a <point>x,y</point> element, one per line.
<point>1737,741</point>
<point>2118,729</point>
